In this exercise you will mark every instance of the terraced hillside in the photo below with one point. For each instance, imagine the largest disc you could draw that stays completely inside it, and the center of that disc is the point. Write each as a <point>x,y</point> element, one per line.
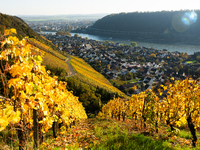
<point>51,57</point>
<point>61,55</point>
<point>87,74</point>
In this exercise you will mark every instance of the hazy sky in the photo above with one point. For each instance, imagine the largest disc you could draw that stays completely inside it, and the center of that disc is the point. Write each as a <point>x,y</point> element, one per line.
<point>56,7</point>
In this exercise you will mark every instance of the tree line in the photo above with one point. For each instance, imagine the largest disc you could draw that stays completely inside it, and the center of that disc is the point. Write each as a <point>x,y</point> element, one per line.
<point>154,22</point>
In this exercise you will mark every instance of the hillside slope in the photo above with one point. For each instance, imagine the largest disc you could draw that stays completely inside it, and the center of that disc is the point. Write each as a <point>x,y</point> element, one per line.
<point>154,27</point>
<point>151,22</point>
<point>88,75</point>
<point>92,91</point>
<point>53,57</point>
<point>7,22</point>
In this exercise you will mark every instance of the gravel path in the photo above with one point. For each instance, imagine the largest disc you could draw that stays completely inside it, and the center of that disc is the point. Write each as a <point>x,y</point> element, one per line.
<point>71,72</point>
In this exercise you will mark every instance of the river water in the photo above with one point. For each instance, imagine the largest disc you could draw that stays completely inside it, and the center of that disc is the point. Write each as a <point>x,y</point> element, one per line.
<point>190,49</point>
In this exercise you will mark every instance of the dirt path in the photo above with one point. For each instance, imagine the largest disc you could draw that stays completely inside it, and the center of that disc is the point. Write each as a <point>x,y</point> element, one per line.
<point>71,72</point>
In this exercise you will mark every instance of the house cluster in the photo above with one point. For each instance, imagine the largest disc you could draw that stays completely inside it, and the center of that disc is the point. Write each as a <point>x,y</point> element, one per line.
<point>150,66</point>
<point>59,25</point>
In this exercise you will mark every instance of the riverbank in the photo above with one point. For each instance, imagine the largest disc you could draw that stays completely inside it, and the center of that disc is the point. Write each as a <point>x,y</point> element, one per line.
<point>172,47</point>
<point>156,44</point>
<point>150,37</point>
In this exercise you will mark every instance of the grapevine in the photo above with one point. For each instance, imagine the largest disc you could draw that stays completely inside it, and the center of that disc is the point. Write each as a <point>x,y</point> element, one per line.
<point>32,89</point>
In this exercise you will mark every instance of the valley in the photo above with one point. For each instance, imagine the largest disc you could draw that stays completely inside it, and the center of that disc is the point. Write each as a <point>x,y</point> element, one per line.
<point>146,66</point>
<point>59,91</point>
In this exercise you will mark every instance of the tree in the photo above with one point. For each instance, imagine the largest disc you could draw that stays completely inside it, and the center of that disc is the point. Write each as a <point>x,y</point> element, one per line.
<point>69,28</point>
<point>133,44</point>
<point>180,66</point>
<point>134,88</point>
<point>108,66</point>
<point>184,55</point>
<point>153,55</point>
<point>128,57</point>
<point>129,75</point>
<point>180,60</point>
<point>198,58</point>
<point>198,71</point>
<point>106,42</point>
<point>142,59</point>
<point>76,35</point>
<point>176,69</point>
<point>63,33</point>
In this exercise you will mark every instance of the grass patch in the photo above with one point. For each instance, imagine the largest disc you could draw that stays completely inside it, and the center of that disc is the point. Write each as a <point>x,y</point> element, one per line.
<point>117,82</point>
<point>106,134</point>
<point>115,136</point>
<point>190,62</point>
<point>133,80</point>
<point>185,134</point>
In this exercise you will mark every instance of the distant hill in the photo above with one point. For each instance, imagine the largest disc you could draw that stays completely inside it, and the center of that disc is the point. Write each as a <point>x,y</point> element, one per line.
<point>146,22</point>
<point>69,17</point>
<point>164,24</point>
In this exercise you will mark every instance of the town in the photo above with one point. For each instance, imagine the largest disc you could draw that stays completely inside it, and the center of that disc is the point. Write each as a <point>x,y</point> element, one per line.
<point>128,66</point>
<point>61,22</point>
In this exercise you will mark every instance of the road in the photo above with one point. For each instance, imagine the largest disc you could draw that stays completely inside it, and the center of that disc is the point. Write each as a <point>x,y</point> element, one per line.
<point>71,70</point>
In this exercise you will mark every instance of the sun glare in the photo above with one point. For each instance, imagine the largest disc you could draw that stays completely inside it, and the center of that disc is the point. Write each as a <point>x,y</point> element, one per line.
<point>189,18</point>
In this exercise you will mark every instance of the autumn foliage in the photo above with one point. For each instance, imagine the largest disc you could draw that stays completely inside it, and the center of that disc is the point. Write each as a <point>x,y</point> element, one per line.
<point>33,90</point>
<point>46,48</point>
<point>175,105</point>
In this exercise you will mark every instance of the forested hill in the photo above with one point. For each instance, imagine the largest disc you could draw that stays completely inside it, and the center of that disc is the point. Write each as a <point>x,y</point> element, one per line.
<point>7,22</point>
<point>154,22</point>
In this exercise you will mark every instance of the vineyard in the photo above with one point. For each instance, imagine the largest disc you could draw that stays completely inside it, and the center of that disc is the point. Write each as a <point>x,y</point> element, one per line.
<point>92,76</point>
<point>33,101</point>
<point>177,106</point>
<point>49,59</point>
<point>37,111</point>
<point>47,49</point>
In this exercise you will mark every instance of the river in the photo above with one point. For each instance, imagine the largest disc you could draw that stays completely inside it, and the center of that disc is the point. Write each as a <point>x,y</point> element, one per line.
<point>190,49</point>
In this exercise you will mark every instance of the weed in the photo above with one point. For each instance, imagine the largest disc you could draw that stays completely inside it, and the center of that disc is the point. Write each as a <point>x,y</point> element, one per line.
<point>185,134</point>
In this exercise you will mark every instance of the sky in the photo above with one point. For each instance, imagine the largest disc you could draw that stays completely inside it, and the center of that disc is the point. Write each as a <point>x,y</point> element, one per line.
<point>64,7</point>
